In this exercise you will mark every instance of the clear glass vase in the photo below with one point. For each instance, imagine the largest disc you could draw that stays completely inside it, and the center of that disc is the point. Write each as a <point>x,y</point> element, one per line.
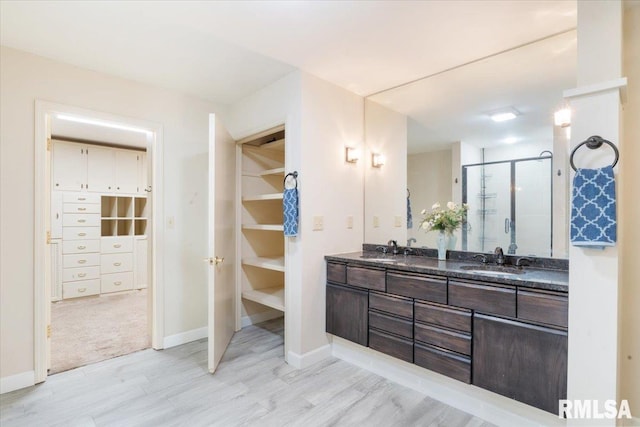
<point>442,241</point>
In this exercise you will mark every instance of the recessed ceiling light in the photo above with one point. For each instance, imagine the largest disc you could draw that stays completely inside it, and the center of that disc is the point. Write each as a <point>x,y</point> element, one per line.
<point>510,140</point>
<point>504,114</point>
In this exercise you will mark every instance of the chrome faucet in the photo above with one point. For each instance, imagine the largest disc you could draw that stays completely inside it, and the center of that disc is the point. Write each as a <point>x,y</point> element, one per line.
<point>522,259</point>
<point>499,256</point>
<point>410,241</point>
<point>394,246</point>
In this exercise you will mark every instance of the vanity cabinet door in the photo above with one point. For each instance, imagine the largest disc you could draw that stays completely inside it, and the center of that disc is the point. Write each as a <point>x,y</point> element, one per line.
<point>522,361</point>
<point>347,313</point>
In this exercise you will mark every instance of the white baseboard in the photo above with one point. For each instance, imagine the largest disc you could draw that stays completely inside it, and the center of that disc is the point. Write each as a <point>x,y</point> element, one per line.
<point>18,381</point>
<point>301,361</point>
<point>185,337</point>
<point>260,317</point>
<point>484,404</point>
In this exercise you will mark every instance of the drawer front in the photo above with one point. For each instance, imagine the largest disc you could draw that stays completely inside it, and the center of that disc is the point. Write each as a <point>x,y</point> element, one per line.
<point>391,324</point>
<point>80,260</point>
<point>336,272</point>
<point>545,307</point>
<point>112,245</point>
<point>81,220</point>
<point>449,317</point>
<point>116,263</point>
<point>398,306</point>
<point>81,273</point>
<point>82,288</point>
<point>444,362</point>
<point>80,246</point>
<point>115,282</point>
<point>81,198</point>
<point>393,346</point>
<point>426,288</point>
<point>483,298</point>
<point>366,278</point>
<point>81,208</point>
<point>451,340</point>
<point>80,233</point>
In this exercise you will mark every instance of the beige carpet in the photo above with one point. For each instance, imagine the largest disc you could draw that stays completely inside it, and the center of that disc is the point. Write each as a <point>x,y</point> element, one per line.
<point>91,329</point>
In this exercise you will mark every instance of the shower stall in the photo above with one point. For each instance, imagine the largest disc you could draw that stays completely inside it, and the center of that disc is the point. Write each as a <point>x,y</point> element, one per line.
<point>510,205</point>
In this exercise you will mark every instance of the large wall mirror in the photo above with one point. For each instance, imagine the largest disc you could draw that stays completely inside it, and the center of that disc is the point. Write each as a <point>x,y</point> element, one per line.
<point>513,174</point>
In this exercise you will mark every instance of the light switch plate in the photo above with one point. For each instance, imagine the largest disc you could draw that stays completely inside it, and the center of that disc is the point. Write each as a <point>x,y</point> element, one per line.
<point>318,223</point>
<point>350,221</point>
<point>376,221</point>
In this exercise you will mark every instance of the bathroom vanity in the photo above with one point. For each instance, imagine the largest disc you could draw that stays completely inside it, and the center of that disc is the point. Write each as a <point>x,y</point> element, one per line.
<point>502,331</point>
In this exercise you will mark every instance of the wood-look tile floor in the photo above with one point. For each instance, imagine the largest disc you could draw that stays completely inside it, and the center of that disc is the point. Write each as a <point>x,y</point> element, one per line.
<point>252,387</point>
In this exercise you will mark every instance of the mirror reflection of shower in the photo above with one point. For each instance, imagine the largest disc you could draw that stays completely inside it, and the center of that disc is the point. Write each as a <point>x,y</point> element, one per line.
<point>510,205</point>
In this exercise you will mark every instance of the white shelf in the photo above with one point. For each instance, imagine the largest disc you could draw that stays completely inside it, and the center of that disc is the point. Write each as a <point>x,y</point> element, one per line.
<point>269,263</point>
<point>266,227</point>
<point>271,297</point>
<point>276,171</point>
<point>275,145</point>
<point>272,196</point>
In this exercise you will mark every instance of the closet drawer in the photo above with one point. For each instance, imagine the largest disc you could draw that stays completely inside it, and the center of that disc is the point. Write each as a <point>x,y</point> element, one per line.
<point>116,263</point>
<point>80,233</point>
<point>81,208</point>
<point>113,245</point>
<point>81,220</point>
<point>80,246</point>
<point>80,260</point>
<point>80,273</point>
<point>81,198</point>
<point>82,288</point>
<point>115,282</point>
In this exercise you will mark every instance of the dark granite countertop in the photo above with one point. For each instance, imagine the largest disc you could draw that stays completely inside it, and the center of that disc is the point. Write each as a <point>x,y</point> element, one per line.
<point>538,278</point>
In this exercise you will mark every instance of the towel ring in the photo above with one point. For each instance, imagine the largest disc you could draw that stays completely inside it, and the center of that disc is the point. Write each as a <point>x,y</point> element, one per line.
<point>594,142</point>
<point>293,174</point>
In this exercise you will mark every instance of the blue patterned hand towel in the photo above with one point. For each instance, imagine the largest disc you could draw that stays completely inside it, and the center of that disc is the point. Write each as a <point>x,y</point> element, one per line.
<point>409,214</point>
<point>593,208</point>
<point>290,211</point>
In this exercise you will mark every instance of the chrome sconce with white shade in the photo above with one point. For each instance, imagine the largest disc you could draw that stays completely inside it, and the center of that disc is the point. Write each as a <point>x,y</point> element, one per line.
<point>377,160</point>
<point>352,154</point>
<point>562,117</point>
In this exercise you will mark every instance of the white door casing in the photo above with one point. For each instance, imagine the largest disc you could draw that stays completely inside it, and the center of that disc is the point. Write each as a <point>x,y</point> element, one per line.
<point>222,252</point>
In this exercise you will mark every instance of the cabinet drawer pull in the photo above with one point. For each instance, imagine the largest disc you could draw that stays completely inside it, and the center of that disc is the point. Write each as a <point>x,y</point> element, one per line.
<point>117,264</point>
<point>80,290</point>
<point>82,234</point>
<point>82,198</point>
<point>82,274</point>
<point>82,209</point>
<point>82,261</point>
<point>117,283</point>
<point>117,245</point>
<point>82,220</point>
<point>82,247</point>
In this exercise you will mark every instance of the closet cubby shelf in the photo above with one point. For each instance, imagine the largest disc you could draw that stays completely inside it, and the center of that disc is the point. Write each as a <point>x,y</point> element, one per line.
<point>276,171</point>
<point>269,263</point>
<point>271,297</point>
<point>260,197</point>
<point>265,227</point>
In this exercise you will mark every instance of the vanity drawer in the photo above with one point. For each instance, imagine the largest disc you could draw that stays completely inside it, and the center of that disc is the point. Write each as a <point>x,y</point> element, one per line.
<point>116,263</point>
<point>491,299</point>
<point>397,306</point>
<point>444,362</point>
<point>80,233</point>
<point>545,307</point>
<point>368,278</point>
<point>391,324</point>
<point>81,208</point>
<point>451,340</point>
<point>336,272</point>
<point>427,288</point>
<point>442,315</point>
<point>81,220</point>
<point>82,288</point>
<point>400,348</point>
<point>80,260</point>
<point>81,198</point>
<point>80,246</point>
<point>115,282</point>
<point>112,245</point>
<point>81,273</point>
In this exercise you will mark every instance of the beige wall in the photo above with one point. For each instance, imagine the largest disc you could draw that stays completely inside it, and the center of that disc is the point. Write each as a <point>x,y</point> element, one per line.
<point>630,215</point>
<point>25,78</point>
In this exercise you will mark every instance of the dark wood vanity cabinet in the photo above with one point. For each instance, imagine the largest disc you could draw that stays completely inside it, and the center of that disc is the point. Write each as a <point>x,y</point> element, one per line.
<point>347,313</point>
<point>391,325</point>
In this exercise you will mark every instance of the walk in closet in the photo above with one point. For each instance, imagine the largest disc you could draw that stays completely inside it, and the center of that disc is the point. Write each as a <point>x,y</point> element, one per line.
<point>261,241</point>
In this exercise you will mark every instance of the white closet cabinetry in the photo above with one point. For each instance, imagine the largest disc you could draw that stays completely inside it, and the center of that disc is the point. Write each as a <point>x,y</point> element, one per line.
<point>100,169</point>
<point>126,171</point>
<point>69,166</point>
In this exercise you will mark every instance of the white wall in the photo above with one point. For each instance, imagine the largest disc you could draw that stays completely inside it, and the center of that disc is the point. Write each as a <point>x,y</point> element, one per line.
<point>25,78</point>
<point>516,151</point>
<point>386,188</point>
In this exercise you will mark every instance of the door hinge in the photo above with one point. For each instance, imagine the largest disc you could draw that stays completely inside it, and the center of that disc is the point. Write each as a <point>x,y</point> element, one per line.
<point>48,237</point>
<point>48,144</point>
<point>48,331</point>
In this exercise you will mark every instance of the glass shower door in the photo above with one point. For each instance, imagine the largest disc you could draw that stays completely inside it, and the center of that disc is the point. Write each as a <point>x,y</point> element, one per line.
<point>533,207</point>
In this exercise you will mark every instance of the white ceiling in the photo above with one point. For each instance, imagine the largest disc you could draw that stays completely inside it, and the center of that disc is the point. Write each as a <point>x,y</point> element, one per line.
<point>225,50</point>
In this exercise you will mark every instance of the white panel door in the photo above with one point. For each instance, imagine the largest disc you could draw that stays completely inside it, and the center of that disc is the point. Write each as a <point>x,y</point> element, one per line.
<point>100,169</point>
<point>126,171</point>
<point>142,173</point>
<point>221,256</point>
<point>69,166</point>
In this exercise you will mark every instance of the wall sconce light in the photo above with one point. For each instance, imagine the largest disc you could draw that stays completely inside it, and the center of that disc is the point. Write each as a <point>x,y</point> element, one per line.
<point>377,160</point>
<point>562,117</point>
<point>352,155</point>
